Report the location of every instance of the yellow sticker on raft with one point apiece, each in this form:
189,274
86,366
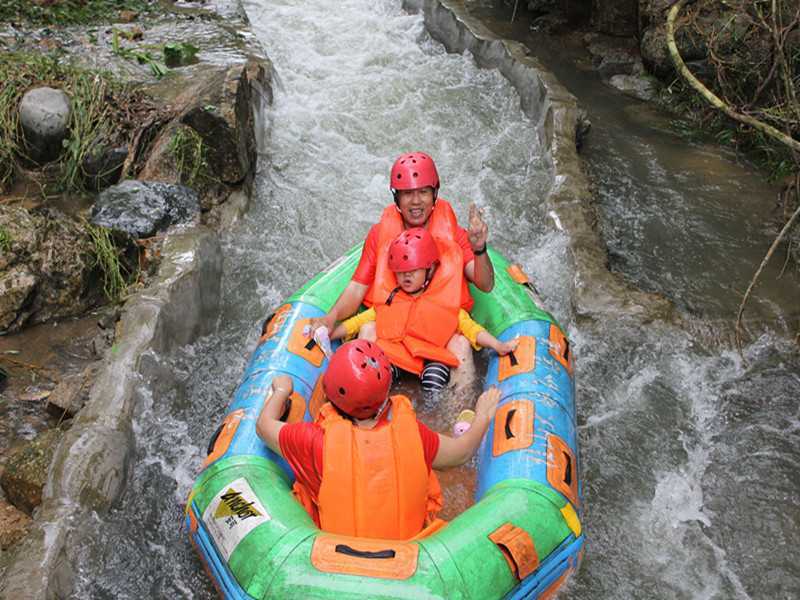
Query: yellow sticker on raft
233,513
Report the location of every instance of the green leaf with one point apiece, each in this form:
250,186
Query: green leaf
178,54
158,68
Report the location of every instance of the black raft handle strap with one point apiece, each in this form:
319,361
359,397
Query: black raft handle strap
266,323
509,416
212,442
345,549
512,357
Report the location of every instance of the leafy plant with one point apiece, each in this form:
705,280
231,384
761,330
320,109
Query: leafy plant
143,57
177,54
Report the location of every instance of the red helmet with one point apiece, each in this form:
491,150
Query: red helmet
358,378
414,170
413,249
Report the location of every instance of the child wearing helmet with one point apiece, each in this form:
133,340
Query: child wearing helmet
417,319
414,183
363,468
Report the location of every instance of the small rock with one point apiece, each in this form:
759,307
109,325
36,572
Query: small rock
639,87
617,62
44,116
25,471
142,208
102,165
71,393
128,16
540,6
14,525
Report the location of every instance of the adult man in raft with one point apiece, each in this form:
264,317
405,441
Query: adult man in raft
364,467
414,182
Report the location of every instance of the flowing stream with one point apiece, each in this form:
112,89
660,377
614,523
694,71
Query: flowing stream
690,461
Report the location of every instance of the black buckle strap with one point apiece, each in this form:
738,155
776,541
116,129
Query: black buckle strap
345,549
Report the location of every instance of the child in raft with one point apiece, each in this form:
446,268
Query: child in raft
363,468
416,320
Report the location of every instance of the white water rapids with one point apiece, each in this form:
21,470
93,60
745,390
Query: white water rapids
689,456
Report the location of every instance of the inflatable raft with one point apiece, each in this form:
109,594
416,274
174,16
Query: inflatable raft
521,539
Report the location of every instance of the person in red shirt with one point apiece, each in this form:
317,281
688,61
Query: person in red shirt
363,468
414,183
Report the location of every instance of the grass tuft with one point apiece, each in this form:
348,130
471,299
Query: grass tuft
5,239
108,257
191,157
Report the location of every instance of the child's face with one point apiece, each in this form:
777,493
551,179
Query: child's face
411,281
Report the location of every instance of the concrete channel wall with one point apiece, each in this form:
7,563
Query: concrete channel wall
91,464
596,292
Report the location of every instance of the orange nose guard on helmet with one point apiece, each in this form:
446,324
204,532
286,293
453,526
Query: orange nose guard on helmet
413,249
358,378
414,170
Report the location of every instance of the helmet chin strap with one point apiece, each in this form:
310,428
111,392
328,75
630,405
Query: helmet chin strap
382,408
428,276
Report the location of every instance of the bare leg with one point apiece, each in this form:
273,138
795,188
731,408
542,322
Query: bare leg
368,332
463,376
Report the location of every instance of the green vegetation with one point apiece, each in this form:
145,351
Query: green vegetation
5,239
177,54
103,109
143,57
752,66
89,96
191,157
698,122
88,119
69,12
108,257
18,72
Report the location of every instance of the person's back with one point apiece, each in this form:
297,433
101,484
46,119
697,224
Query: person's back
364,469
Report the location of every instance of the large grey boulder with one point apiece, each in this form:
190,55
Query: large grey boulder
143,208
44,116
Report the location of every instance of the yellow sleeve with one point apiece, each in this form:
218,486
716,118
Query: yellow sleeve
354,323
469,328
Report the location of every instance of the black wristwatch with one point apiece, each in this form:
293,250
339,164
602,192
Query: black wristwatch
481,251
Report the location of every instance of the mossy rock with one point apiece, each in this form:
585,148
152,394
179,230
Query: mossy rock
25,471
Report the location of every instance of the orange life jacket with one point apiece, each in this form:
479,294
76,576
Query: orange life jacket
414,328
442,224
375,482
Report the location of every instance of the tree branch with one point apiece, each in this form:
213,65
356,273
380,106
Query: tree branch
709,95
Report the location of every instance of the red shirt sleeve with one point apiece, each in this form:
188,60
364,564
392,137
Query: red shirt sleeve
430,443
301,445
466,248
365,271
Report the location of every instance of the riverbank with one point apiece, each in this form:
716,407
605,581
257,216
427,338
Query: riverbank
216,99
